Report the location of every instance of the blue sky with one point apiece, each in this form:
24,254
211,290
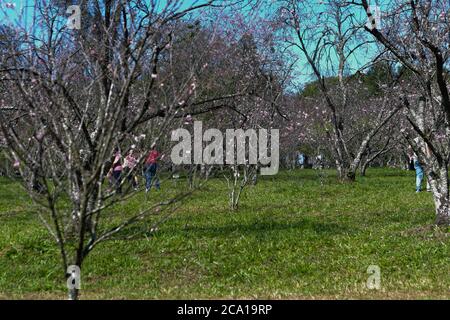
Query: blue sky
26,8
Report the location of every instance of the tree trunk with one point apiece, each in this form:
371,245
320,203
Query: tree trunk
439,186
364,168
442,210
347,173
350,174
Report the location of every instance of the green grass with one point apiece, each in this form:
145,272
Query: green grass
292,237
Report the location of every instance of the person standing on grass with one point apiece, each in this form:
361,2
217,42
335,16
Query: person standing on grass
301,160
116,170
129,166
16,166
150,167
419,169
419,172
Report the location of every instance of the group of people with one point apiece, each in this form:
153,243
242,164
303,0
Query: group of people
126,167
303,161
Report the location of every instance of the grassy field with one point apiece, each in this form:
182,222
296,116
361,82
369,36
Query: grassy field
293,237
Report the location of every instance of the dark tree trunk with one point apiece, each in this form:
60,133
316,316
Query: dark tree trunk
364,168
350,175
439,185
346,174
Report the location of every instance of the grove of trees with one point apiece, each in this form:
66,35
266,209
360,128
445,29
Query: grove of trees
323,72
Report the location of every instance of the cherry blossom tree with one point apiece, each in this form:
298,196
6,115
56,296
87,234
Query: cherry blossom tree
415,34
70,96
329,39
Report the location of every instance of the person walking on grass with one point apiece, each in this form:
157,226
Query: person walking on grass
129,166
150,167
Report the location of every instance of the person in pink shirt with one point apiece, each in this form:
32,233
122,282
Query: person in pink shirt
150,167
129,166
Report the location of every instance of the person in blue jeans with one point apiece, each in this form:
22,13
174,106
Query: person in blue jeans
418,167
150,169
419,175
150,176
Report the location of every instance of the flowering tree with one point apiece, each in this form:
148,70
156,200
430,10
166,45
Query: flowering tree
70,96
248,64
415,34
330,39
260,109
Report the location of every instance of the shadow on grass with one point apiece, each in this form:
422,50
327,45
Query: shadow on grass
251,229
298,176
